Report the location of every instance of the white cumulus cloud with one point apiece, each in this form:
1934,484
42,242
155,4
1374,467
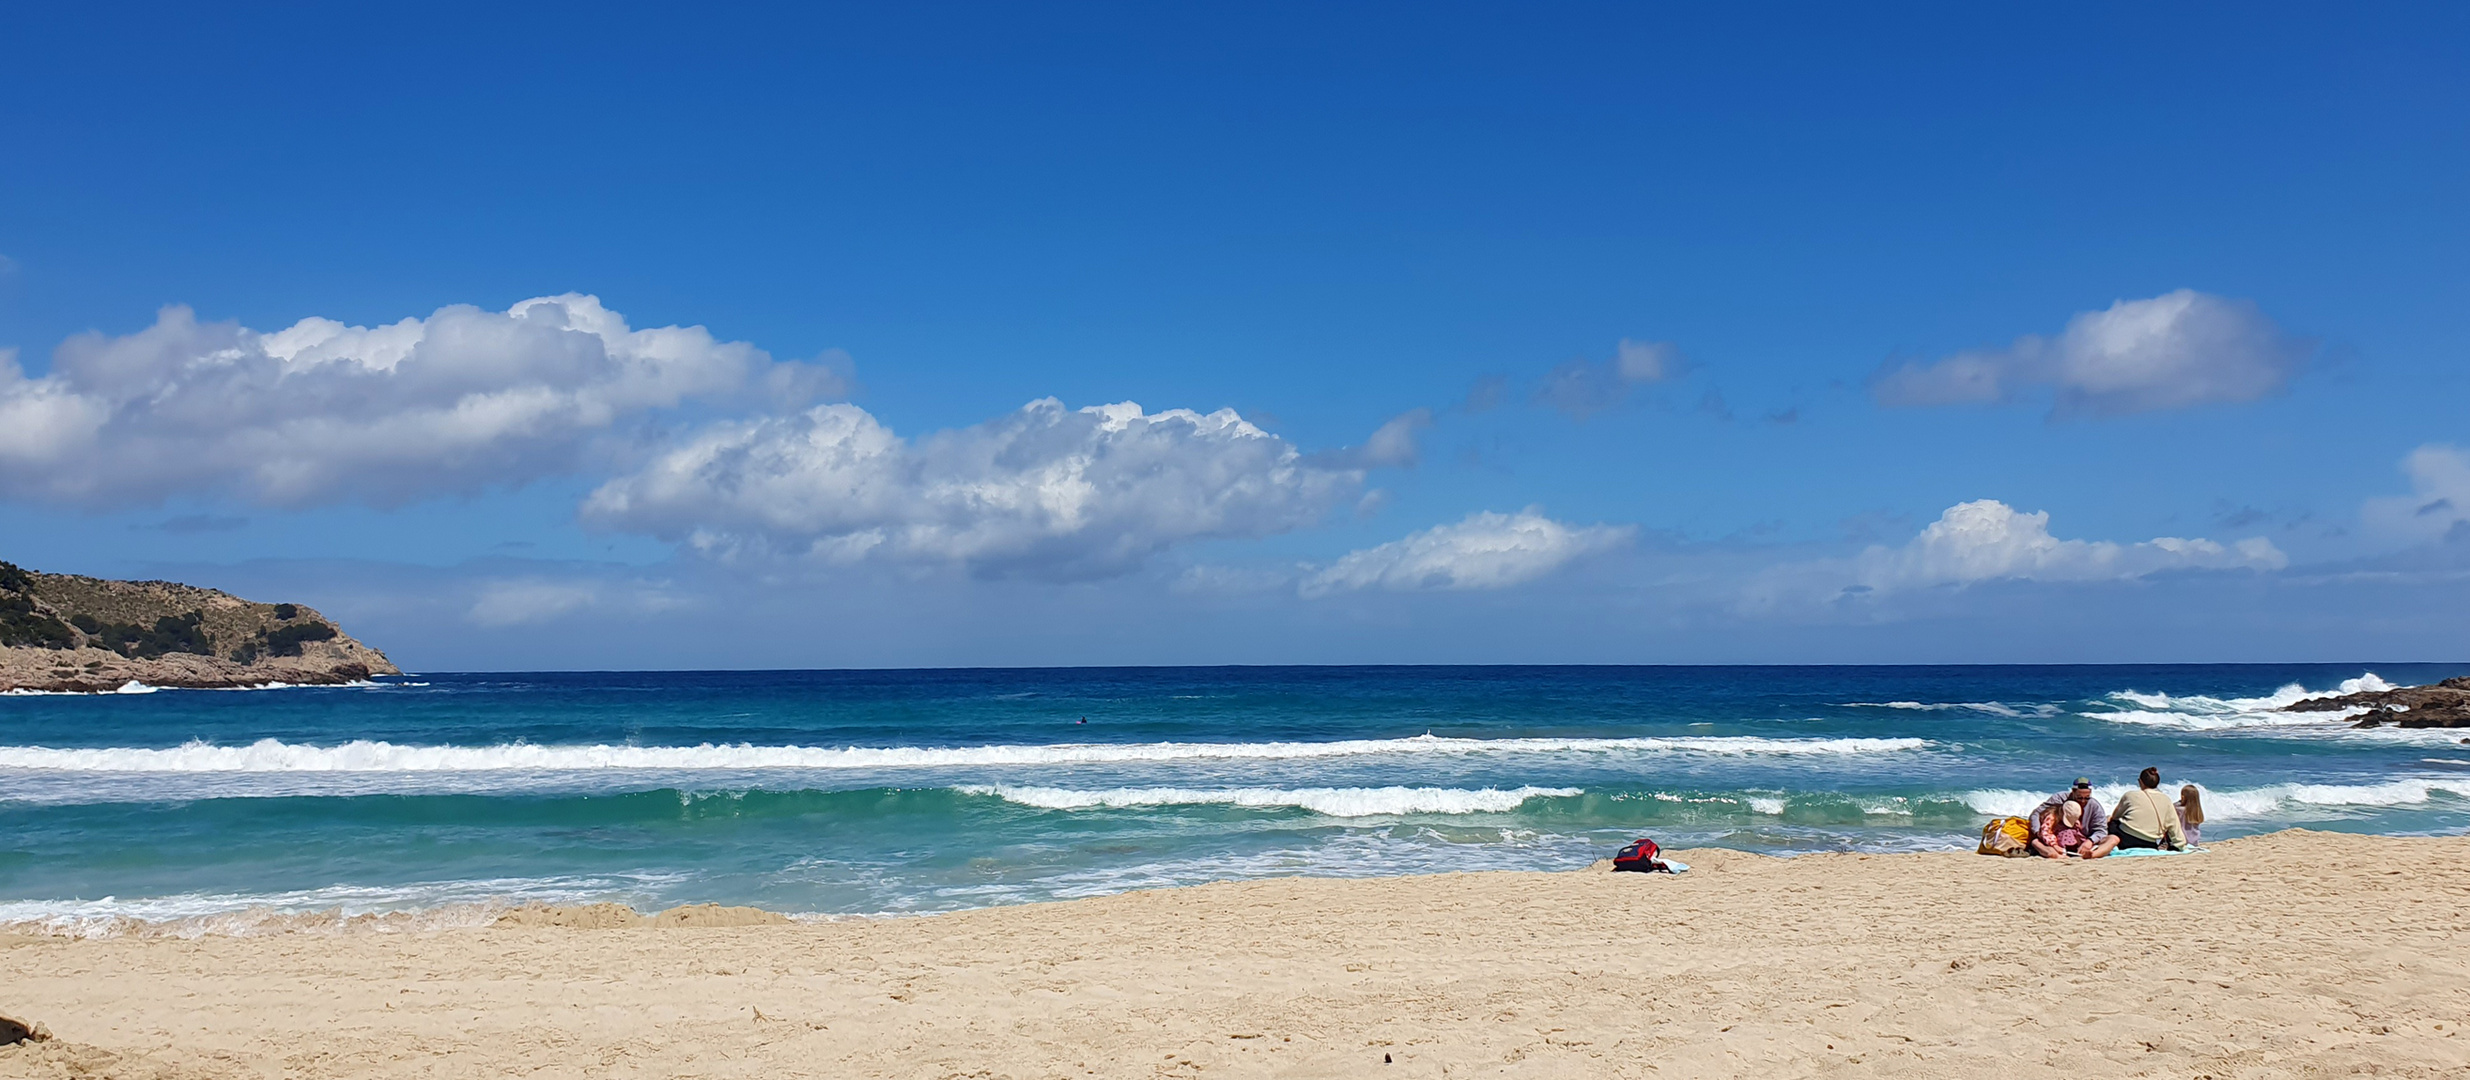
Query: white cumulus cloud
1045,491
323,411
2439,495
1486,551
1988,540
2173,351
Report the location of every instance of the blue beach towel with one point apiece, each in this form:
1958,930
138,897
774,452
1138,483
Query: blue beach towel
2131,853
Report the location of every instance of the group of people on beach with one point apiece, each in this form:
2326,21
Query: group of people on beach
2073,823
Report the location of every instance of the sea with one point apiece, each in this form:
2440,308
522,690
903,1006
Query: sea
876,793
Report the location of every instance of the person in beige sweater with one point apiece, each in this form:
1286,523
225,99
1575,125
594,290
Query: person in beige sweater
2145,818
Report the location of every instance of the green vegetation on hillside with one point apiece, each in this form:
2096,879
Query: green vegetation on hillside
169,634
285,640
20,623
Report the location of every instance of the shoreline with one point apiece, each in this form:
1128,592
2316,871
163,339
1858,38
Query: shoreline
129,678
2291,952
258,921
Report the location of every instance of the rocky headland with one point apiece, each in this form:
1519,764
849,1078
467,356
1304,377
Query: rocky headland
2439,705
63,632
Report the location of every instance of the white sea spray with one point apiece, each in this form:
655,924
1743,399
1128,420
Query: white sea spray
363,755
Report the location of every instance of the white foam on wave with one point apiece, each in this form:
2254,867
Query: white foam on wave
135,687
362,755
2258,802
447,903
1994,708
130,687
2202,712
1334,802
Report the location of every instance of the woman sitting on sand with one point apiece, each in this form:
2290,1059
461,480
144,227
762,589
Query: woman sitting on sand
2145,818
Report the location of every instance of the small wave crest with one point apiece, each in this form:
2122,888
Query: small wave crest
2239,803
1993,708
361,755
1333,802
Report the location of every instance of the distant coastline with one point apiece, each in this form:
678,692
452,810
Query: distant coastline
64,633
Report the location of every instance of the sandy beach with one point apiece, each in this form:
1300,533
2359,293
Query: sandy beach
2293,954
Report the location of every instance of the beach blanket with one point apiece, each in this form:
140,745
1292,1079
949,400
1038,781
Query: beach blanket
2131,853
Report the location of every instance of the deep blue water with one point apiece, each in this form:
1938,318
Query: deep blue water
892,791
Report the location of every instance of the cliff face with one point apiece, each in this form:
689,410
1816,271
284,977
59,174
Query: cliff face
63,632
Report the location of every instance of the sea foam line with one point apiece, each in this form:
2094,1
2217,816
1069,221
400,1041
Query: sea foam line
361,755
135,687
130,687
1994,708
2249,802
1333,802
444,903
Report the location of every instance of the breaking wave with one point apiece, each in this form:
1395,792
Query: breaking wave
2201,712
361,755
2237,803
1334,802
1993,708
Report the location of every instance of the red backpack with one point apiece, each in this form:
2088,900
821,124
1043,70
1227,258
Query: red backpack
1640,856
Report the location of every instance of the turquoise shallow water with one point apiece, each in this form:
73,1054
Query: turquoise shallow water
913,791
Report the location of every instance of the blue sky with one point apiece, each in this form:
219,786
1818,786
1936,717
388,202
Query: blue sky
1606,334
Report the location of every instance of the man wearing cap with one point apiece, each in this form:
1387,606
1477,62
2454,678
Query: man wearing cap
2097,839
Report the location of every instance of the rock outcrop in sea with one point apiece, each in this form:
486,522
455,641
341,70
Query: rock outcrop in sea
2440,705
63,632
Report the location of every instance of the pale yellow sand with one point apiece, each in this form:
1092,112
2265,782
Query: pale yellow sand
2298,954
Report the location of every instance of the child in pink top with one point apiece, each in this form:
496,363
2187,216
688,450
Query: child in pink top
2070,826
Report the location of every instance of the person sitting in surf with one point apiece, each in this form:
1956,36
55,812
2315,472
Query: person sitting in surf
2145,818
2091,836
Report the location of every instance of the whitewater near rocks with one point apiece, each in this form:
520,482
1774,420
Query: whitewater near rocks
859,793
